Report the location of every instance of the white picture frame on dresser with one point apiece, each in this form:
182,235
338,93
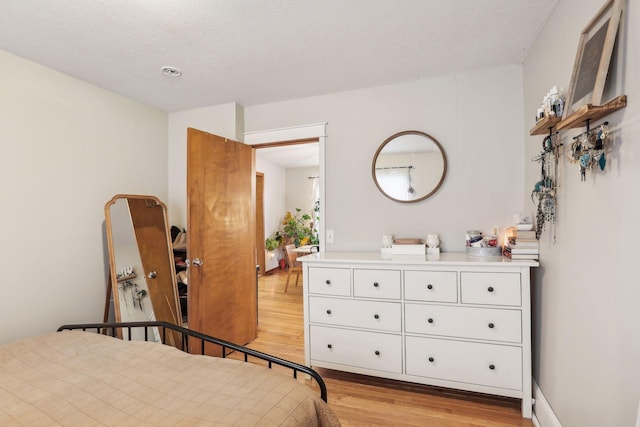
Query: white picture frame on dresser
457,321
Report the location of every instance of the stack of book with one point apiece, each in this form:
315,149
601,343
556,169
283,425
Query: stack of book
522,245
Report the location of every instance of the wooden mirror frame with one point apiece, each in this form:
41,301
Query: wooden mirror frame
391,139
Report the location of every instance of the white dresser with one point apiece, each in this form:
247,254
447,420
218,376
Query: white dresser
454,321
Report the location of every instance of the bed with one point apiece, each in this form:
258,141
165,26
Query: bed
83,375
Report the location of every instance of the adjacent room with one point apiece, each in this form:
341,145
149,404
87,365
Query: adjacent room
425,208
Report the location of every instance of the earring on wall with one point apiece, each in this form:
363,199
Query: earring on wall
588,149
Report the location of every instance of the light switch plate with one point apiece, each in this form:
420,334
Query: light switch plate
330,236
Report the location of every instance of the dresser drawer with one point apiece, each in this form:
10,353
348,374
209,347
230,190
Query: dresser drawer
490,288
464,322
369,350
376,283
476,363
383,316
437,286
330,281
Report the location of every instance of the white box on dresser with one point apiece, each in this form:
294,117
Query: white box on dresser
455,321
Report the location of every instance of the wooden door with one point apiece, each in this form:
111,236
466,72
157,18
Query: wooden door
260,254
221,230
150,227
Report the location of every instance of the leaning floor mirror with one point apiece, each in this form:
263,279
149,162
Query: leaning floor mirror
143,280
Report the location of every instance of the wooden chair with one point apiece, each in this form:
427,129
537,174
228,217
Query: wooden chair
294,265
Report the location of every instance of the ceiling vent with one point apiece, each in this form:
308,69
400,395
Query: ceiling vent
171,71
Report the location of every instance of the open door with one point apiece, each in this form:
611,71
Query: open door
260,252
222,238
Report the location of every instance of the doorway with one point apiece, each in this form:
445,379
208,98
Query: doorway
302,146
291,174
291,181
297,138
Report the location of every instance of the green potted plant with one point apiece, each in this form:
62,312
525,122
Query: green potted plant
273,242
294,228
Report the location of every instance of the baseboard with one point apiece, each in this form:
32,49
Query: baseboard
534,421
543,415
276,268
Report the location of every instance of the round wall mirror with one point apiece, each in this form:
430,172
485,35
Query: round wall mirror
409,166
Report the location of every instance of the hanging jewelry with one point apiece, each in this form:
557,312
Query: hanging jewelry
588,149
544,191
138,296
601,138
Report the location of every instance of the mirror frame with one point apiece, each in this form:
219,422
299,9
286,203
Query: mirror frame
112,260
393,137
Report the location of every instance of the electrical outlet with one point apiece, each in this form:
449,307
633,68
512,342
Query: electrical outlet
330,236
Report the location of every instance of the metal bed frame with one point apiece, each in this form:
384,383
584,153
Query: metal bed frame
115,330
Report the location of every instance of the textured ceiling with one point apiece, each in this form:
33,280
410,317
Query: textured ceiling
259,51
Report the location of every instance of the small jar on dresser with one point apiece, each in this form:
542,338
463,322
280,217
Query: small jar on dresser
458,321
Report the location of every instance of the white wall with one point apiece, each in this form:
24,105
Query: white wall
299,189
476,116
67,148
223,120
274,201
586,293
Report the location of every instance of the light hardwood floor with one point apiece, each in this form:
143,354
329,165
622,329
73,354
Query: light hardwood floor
366,401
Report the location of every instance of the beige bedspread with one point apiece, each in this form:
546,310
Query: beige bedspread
86,379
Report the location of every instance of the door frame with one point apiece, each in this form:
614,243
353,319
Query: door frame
296,135
260,254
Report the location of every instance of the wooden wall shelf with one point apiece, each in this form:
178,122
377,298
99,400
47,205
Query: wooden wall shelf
544,125
591,112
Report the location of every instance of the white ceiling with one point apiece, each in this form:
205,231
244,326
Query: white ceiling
259,51
291,156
